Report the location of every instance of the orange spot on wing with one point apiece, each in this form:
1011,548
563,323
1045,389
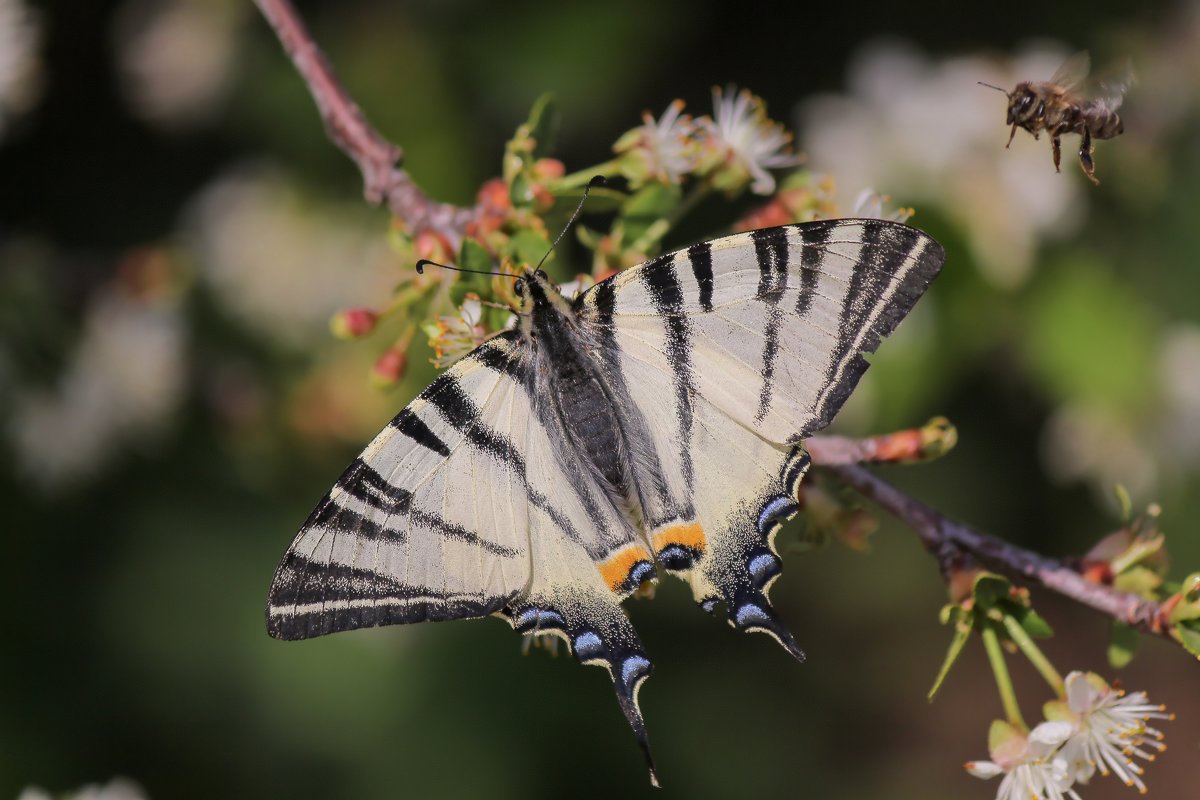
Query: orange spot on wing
615,569
687,534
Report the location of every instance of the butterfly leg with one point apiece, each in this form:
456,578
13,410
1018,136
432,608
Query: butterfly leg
600,634
1085,157
1056,146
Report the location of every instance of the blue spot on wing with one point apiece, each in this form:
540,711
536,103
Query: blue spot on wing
588,645
775,509
748,614
634,667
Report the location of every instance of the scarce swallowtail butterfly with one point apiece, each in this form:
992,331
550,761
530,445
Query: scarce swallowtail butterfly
654,422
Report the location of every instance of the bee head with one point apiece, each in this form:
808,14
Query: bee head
1022,104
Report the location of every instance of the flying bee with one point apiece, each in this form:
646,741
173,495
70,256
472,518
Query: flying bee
1059,106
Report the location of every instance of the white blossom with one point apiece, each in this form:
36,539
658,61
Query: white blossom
1032,766
668,144
1111,729
740,123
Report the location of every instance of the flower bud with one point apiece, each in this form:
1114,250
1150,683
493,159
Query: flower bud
353,323
431,245
390,367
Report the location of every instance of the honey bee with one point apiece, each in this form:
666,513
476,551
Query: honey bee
1059,106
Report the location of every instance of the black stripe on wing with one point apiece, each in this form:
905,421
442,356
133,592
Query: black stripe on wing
886,246
312,599
663,284
456,407
700,256
814,235
771,253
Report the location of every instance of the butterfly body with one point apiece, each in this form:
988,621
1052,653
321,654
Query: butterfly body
654,422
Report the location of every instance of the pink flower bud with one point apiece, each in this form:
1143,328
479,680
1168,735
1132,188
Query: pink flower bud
549,169
390,367
433,246
352,323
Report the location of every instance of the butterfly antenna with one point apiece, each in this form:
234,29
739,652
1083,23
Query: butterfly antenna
597,180
990,86
421,269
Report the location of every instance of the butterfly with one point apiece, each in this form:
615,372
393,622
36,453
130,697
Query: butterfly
654,423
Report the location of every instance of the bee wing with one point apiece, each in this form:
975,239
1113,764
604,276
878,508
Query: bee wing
1112,86
1074,70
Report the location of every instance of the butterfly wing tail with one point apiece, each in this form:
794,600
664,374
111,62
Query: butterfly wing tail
599,634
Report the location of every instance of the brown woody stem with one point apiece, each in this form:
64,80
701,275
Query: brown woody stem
377,159
936,531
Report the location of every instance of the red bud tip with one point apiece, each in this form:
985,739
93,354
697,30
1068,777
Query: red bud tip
352,323
433,246
549,169
493,197
390,367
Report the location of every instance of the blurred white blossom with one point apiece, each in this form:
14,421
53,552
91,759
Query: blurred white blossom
20,65
121,385
1179,374
741,127
117,789
871,204
177,57
664,147
1084,443
280,266
925,131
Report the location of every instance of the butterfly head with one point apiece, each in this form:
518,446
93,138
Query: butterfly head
535,291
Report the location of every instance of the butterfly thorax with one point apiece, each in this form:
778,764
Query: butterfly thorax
571,384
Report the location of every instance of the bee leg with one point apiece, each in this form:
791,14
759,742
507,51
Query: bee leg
1011,134
1085,157
1056,147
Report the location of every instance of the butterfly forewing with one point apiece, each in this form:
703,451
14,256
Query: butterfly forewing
430,522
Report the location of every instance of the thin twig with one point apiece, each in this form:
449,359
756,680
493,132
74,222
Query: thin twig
936,530
376,157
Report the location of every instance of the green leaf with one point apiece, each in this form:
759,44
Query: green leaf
1033,623
1188,607
989,589
648,205
527,247
1124,502
1139,580
473,255
1122,644
543,125
961,635
1188,634
1003,736
951,612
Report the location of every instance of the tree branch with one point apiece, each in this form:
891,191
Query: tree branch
377,158
937,532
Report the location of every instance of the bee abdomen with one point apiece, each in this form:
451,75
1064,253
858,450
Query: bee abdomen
1110,126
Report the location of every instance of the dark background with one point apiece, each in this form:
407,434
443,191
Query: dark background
173,405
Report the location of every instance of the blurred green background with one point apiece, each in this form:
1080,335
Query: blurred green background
175,231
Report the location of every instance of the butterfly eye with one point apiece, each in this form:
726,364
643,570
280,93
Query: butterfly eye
519,287
542,274
1027,101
